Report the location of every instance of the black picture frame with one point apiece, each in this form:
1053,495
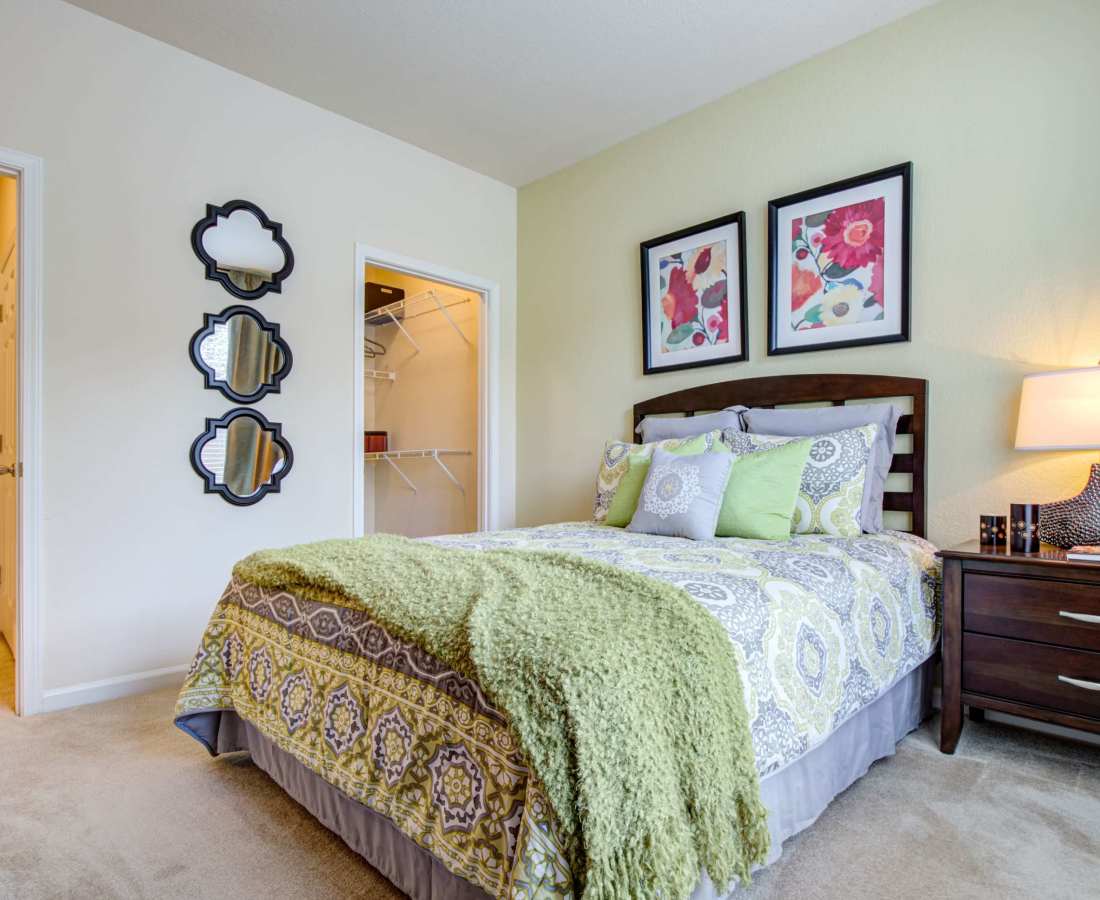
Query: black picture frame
739,355
210,265
903,333
209,479
210,379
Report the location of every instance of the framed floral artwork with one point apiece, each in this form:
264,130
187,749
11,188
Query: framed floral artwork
838,264
693,297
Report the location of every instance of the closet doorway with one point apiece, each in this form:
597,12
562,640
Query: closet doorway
9,434
425,395
20,429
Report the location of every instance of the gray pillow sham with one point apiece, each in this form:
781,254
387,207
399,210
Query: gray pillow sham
682,495
655,428
827,419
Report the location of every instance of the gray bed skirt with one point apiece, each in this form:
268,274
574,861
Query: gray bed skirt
370,834
794,796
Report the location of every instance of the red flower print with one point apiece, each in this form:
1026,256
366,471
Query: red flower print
684,303
853,234
698,338
668,306
878,286
817,238
702,261
714,321
796,228
804,285
801,253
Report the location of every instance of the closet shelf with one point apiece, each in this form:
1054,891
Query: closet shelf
425,302
390,456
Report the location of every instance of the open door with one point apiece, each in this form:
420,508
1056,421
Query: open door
9,431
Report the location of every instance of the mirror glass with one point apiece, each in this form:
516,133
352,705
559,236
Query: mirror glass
240,354
242,249
241,456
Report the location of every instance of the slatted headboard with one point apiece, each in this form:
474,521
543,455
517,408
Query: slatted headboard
783,390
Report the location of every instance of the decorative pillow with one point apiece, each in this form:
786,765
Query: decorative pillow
763,488
831,493
616,463
622,506
682,495
655,428
828,419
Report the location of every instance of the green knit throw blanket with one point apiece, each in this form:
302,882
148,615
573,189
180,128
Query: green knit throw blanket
623,692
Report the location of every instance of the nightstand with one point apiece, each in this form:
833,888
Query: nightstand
1021,635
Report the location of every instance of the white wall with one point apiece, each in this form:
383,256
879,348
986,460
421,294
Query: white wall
137,137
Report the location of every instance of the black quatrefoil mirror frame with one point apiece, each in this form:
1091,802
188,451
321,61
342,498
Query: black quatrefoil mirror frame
215,272
273,431
272,381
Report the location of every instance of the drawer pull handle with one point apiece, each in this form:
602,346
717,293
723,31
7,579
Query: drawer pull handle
1077,682
1080,617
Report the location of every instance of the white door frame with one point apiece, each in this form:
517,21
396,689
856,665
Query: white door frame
28,649
488,382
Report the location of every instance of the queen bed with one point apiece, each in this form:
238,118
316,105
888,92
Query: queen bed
413,765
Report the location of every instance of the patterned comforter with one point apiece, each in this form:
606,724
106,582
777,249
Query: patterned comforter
821,627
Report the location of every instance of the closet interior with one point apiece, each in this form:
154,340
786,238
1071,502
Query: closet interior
420,395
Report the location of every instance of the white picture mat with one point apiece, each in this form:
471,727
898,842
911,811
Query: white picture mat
891,324
723,233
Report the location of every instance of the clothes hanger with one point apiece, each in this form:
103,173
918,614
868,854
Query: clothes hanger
372,348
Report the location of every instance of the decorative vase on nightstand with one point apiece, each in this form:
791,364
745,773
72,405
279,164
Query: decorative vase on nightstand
1076,520
1061,411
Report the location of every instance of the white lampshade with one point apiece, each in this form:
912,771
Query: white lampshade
1060,411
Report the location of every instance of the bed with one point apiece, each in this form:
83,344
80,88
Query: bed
834,638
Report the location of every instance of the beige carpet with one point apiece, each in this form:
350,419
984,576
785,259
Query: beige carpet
112,801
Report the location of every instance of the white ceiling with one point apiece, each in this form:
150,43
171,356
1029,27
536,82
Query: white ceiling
515,89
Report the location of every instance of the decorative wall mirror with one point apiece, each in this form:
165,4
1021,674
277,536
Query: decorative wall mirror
242,457
242,249
240,354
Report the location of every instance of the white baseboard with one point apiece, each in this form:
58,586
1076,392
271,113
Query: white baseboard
112,688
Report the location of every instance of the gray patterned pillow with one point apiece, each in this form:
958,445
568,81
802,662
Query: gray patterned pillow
615,463
830,419
831,494
682,495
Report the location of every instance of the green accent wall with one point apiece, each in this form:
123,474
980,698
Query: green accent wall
995,104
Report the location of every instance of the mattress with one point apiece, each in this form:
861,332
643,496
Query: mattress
823,628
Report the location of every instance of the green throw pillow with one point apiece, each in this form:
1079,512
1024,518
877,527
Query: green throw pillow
625,501
762,492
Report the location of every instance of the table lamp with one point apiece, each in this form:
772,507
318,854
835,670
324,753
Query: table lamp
1061,411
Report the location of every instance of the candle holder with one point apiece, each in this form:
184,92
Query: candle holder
993,530
1025,527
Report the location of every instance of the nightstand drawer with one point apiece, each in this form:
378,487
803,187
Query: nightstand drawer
1053,677
1033,609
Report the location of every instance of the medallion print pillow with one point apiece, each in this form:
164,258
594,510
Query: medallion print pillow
682,495
616,462
830,496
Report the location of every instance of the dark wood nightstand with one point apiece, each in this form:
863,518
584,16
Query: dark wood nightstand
1021,635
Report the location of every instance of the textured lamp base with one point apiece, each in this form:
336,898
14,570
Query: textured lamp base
1076,520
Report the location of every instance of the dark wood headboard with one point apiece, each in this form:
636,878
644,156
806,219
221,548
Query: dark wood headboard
782,390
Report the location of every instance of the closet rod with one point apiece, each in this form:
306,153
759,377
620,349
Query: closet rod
390,310
434,454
